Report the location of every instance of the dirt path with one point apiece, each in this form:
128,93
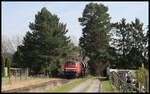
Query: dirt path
81,86
90,85
94,87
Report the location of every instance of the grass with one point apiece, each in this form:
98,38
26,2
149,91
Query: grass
106,86
69,86
131,91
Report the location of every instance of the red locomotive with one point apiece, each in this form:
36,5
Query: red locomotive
75,68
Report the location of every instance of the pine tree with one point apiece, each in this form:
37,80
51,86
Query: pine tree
44,45
72,52
17,59
130,42
95,39
139,43
121,42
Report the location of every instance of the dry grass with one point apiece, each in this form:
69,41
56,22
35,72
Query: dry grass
17,83
51,87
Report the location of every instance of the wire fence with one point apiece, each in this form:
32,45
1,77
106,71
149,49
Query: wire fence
21,77
121,84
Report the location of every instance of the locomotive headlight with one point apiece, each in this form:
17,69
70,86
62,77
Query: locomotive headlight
70,69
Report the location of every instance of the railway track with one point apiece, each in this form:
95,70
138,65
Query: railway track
41,86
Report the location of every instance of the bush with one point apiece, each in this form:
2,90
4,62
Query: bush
141,76
8,67
3,67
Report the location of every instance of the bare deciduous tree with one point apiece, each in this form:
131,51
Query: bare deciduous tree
16,41
9,45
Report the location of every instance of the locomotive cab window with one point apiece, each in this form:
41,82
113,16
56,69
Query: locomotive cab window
70,63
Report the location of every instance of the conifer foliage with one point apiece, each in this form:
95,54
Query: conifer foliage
95,40
44,45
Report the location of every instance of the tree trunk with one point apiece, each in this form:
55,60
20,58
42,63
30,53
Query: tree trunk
98,69
101,67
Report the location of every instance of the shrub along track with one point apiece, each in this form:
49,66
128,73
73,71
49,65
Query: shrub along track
41,86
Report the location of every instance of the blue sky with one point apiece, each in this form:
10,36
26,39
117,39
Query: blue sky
17,15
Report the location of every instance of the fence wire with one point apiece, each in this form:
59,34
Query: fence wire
121,84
